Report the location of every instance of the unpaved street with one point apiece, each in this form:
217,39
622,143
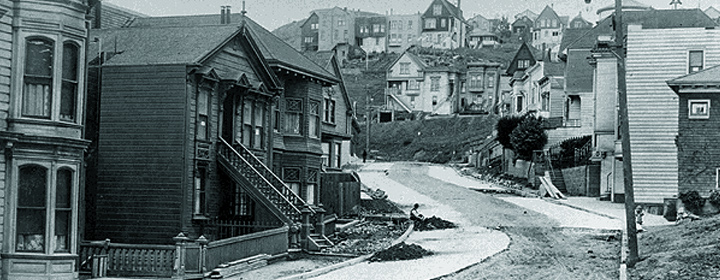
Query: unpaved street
539,249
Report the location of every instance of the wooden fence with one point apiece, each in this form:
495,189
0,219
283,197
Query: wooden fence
340,192
196,256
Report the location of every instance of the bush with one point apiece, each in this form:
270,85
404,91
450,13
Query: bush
505,127
693,202
715,198
527,137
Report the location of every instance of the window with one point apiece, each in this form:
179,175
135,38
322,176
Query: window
404,68
312,180
523,63
410,38
491,80
314,26
276,123
695,61
434,100
376,28
430,23
200,207
434,83
336,34
203,126
308,39
699,109
258,121
519,104
31,207
341,22
329,112
338,155
68,92
293,116
41,227
556,33
554,23
326,154
314,118
443,22
242,203
410,25
545,104
476,80
37,91
291,176
345,35
382,28
247,128
413,85
437,10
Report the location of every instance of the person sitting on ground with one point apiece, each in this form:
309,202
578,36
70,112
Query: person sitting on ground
415,215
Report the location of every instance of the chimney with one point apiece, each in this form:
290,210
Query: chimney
228,15
222,15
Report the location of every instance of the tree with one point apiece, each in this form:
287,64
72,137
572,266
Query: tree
527,137
504,127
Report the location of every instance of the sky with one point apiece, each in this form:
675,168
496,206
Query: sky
275,13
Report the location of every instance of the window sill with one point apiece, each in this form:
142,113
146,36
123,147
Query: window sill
44,122
200,217
329,123
39,256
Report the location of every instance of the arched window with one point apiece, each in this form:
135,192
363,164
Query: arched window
37,90
68,94
31,209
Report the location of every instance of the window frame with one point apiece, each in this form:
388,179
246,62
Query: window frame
430,23
298,122
314,122
707,104
51,167
18,69
689,66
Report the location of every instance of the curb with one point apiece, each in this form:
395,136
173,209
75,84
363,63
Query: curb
327,269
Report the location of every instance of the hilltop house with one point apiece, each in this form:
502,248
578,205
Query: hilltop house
403,32
681,43
226,139
548,29
443,26
371,33
522,29
415,86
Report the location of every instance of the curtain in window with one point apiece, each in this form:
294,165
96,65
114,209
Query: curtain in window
259,131
68,94
37,90
293,119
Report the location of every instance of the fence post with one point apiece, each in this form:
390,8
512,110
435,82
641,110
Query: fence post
305,235
203,253
321,218
180,250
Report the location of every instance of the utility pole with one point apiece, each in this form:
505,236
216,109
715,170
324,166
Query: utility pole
367,120
631,229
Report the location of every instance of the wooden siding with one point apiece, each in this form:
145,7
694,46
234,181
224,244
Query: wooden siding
6,40
141,155
699,150
298,88
655,56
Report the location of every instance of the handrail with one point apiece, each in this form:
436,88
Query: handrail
268,172
278,192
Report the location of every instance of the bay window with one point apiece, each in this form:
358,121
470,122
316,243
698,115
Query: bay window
68,92
37,91
293,116
44,209
314,116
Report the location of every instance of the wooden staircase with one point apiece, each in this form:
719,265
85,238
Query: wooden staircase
318,242
556,176
256,178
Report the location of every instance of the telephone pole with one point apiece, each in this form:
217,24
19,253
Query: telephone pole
631,229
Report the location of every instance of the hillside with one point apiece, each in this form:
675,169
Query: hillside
290,33
432,140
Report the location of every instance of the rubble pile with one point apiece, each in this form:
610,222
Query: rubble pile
433,223
400,251
365,238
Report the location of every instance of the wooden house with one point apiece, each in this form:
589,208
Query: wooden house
206,126
548,29
444,26
42,98
698,163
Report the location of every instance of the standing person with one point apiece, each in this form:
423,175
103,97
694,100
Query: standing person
364,155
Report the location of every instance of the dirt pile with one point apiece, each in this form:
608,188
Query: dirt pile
400,251
433,223
365,238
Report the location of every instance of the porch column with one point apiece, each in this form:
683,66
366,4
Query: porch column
306,227
321,218
179,263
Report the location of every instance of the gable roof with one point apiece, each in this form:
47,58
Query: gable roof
709,76
524,20
527,13
580,19
650,19
328,59
158,46
418,61
276,51
535,55
712,12
454,11
548,12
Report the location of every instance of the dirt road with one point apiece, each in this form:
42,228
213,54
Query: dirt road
539,248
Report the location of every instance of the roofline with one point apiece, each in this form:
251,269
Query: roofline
289,67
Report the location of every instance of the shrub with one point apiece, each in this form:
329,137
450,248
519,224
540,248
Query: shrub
693,201
528,136
505,127
715,198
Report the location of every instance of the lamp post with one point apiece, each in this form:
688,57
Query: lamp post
619,50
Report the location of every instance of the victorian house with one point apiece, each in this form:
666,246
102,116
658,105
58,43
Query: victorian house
217,134
42,102
443,26
548,29
403,31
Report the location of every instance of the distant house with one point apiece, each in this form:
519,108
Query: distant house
443,26
480,23
106,15
548,29
483,39
526,13
480,87
371,33
713,13
698,163
579,22
522,29
334,25
403,31
309,31
678,42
